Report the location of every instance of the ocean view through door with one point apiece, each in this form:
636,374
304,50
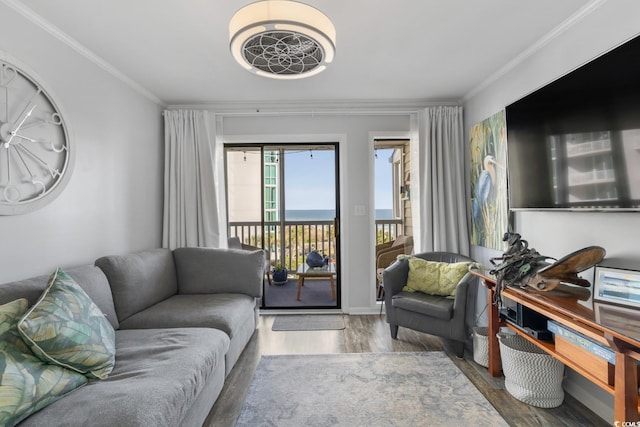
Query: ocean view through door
284,198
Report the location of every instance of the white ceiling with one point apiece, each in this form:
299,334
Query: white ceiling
176,51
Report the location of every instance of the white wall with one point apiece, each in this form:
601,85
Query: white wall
356,163
558,233
113,202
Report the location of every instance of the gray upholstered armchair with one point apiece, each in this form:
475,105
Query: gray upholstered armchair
448,318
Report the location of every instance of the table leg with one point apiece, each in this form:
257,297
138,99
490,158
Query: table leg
625,404
300,283
495,365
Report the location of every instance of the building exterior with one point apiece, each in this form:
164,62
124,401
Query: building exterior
245,184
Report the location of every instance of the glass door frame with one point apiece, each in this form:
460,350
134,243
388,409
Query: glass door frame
282,220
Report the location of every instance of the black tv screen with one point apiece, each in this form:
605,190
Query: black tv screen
575,143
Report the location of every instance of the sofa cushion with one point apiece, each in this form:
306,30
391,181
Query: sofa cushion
226,312
93,281
27,383
89,277
31,289
66,328
430,305
139,280
208,270
435,278
159,374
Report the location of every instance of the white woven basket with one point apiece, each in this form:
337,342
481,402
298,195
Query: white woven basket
481,346
530,374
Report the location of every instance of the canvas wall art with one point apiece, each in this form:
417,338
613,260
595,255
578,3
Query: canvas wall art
489,204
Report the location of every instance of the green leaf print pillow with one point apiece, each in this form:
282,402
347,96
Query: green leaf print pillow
67,328
27,383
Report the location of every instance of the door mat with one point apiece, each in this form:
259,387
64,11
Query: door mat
308,322
370,389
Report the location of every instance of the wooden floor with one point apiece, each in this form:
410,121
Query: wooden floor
370,333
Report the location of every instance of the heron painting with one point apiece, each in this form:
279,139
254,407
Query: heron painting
489,209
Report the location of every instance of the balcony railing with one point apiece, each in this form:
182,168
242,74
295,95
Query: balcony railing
290,242
388,229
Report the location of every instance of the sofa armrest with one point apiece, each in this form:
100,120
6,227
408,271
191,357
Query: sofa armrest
209,270
394,278
463,307
460,297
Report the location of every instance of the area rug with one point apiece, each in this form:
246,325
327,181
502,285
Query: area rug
370,389
308,322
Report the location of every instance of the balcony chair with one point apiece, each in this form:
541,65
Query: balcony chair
386,254
450,318
235,243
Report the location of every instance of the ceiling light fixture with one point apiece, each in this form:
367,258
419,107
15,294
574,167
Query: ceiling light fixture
282,39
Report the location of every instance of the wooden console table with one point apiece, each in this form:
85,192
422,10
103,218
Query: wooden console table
610,326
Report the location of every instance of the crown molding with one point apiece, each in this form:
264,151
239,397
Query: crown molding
316,107
78,47
545,40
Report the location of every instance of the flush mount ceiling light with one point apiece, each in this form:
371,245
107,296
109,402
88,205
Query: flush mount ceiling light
282,39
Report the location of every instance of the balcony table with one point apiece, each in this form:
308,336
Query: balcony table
328,271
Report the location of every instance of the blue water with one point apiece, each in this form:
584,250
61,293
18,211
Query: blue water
327,214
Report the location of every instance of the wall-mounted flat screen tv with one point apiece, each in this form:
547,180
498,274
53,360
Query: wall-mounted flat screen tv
575,143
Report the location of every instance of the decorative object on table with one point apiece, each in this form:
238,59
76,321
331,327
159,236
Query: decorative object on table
518,264
35,147
351,389
279,274
315,260
531,375
525,267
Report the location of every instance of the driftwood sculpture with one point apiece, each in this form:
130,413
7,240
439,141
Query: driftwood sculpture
525,267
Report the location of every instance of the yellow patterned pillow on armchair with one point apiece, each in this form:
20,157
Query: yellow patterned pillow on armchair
434,278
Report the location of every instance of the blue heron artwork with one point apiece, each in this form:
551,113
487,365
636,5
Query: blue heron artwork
484,184
489,209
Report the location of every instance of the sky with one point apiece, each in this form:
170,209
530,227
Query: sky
310,180
383,170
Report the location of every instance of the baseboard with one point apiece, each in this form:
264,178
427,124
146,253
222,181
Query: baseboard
268,312
364,310
352,311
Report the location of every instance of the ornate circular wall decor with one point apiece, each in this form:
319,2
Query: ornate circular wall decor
35,148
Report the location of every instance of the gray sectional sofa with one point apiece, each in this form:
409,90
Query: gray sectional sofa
182,318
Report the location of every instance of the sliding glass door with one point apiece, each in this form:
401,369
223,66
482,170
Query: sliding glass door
284,198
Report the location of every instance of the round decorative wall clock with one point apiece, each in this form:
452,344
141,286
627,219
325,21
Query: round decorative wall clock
35,148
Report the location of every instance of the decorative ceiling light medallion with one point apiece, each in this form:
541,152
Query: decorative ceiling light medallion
282,39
